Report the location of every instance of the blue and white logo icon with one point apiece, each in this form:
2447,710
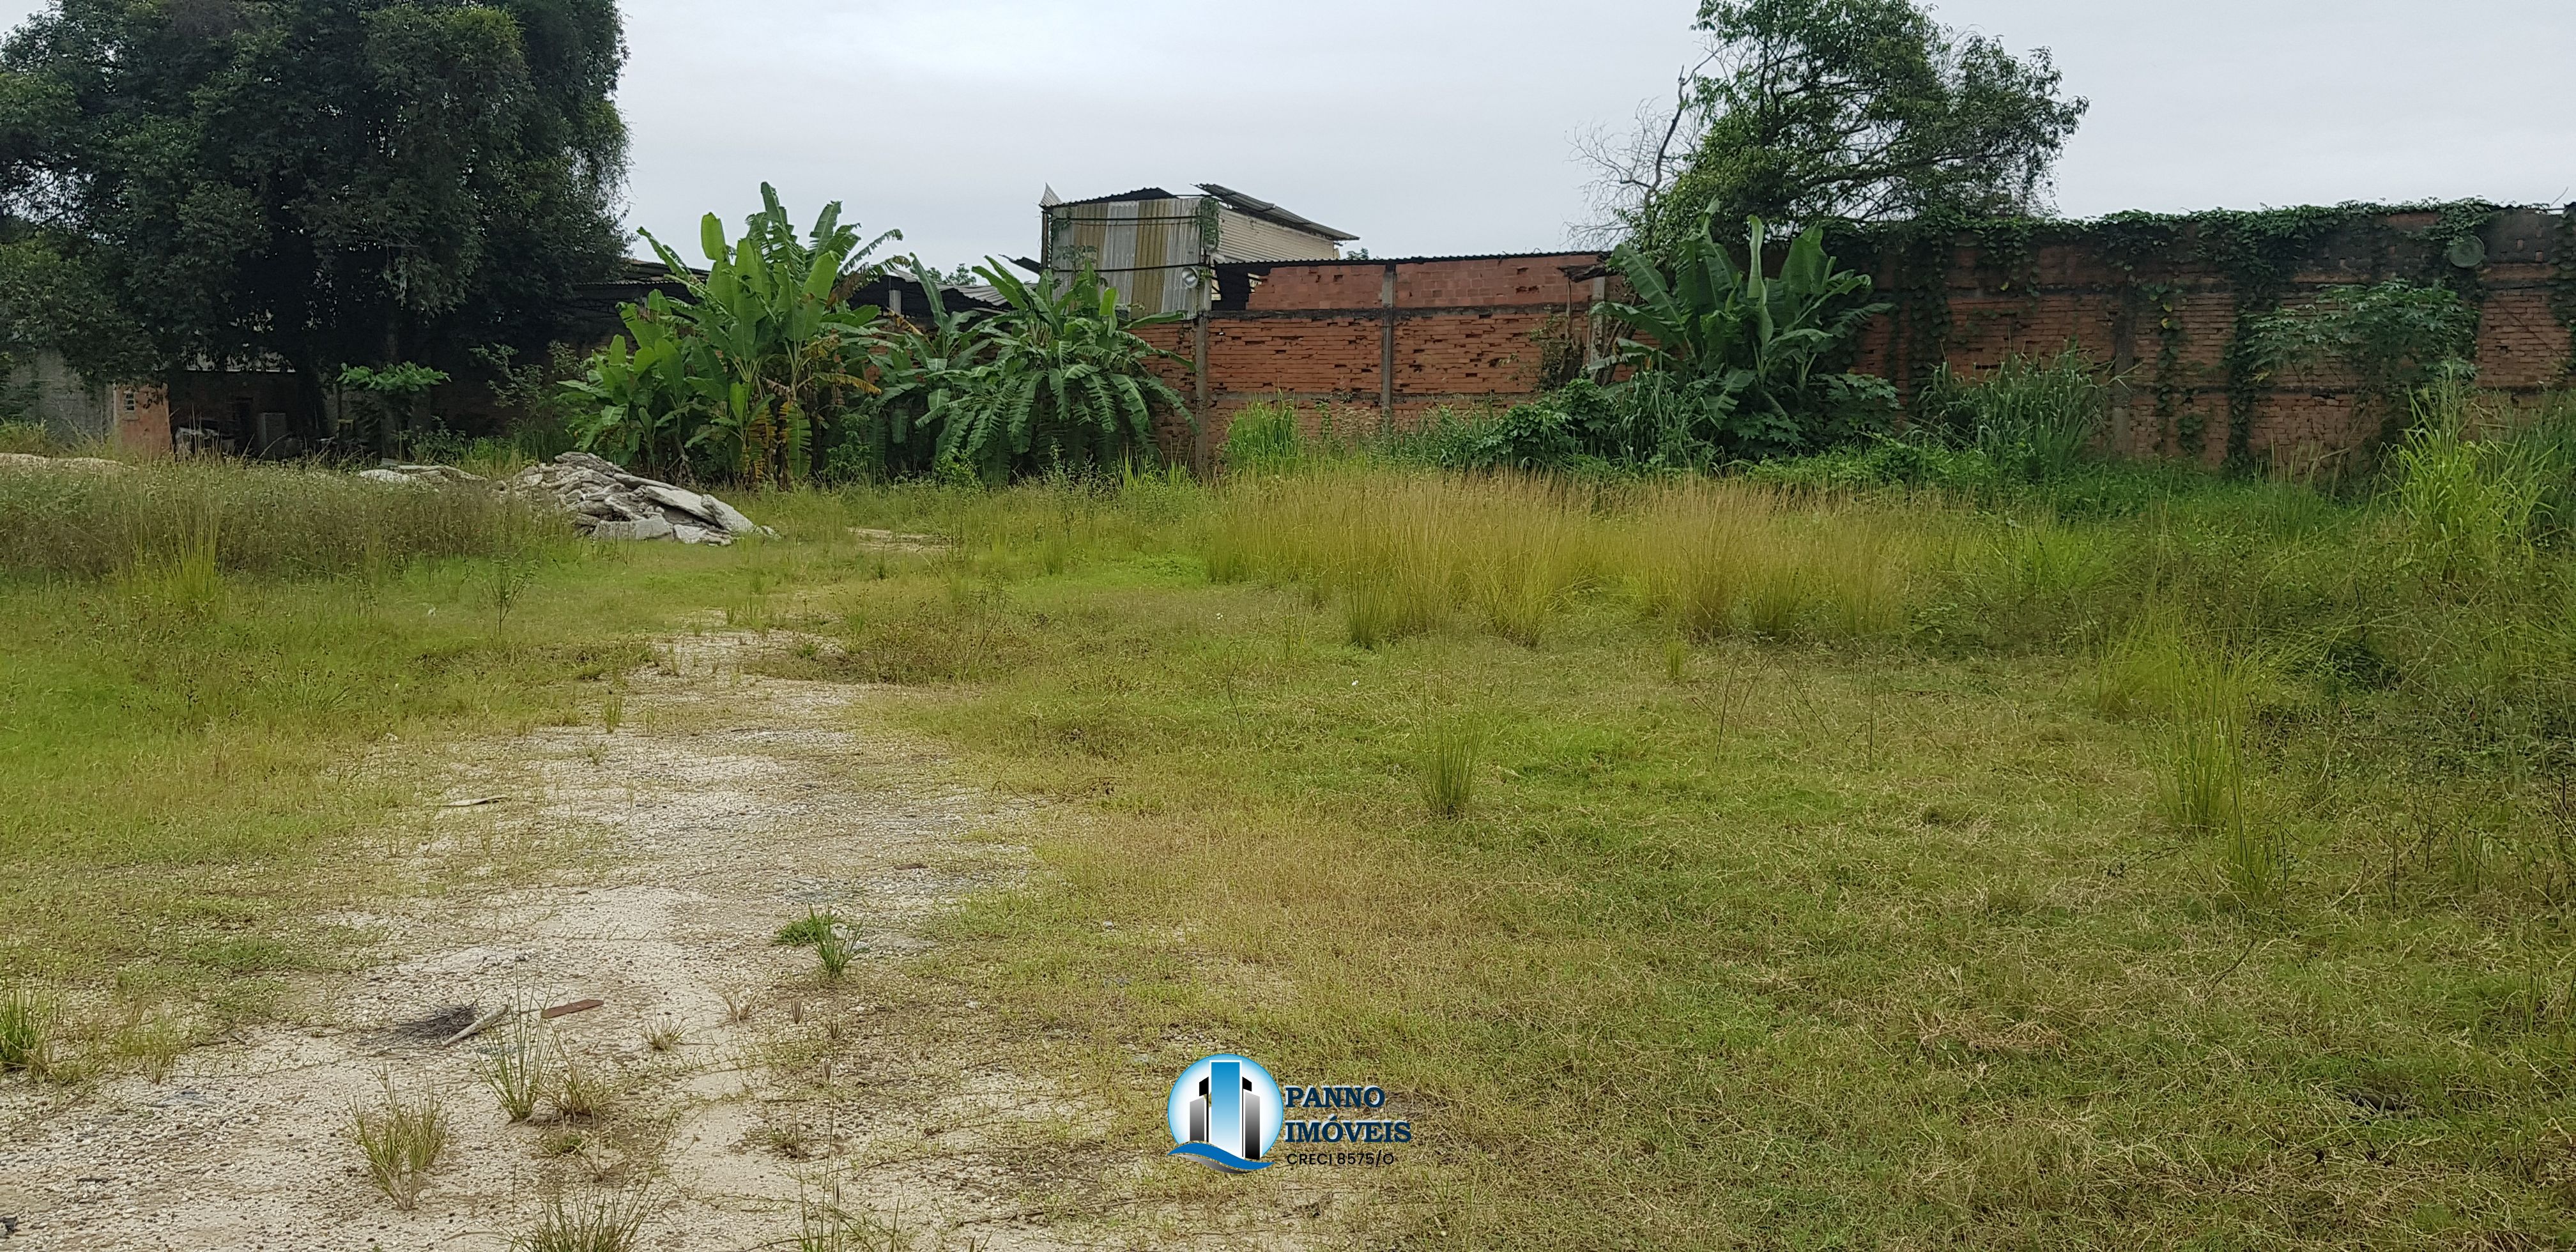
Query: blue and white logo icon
1225,1113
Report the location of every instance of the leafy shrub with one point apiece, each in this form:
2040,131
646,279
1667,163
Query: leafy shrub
2391,338
1062,380
391,405
1739,358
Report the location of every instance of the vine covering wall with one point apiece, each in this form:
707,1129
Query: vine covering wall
2168,303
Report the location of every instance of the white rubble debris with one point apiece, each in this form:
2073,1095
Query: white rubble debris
392,473
604,501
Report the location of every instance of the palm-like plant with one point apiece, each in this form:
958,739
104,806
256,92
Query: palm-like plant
1058,376
920,370
764,350
1747,349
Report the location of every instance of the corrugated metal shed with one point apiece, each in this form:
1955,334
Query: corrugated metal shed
1160,250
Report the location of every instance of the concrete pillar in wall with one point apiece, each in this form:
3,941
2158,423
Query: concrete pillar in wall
142,419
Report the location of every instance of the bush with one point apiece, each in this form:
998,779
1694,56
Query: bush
2471,505
2033,420
1264,439
25,437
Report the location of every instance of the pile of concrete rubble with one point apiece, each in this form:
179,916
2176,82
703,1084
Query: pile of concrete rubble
605,502
80,464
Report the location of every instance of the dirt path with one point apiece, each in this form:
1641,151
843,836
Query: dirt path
646,868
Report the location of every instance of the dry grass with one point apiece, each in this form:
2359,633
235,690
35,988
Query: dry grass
1408,553
662,1033
246,518
605,1221
577,1088
402,1142
518,1066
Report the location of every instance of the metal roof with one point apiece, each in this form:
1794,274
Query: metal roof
1141,193
1249,206
1254,206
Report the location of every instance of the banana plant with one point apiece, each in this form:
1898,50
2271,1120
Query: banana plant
762,351
1744,348
920,372
1060,378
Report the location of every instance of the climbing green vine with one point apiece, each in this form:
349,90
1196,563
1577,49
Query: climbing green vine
2263,256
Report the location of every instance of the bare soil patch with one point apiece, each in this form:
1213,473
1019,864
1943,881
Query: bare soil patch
647,867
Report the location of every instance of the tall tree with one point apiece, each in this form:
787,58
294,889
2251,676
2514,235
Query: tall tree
322,182
1810,110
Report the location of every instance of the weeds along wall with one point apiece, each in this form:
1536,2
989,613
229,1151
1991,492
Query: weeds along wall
2167,304
2163,301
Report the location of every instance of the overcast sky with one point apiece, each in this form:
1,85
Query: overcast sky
1447,126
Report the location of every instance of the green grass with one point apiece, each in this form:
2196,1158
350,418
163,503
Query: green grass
1886,901
26,1031
807,931
2171,863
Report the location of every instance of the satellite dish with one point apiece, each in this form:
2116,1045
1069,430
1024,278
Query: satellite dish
2467,252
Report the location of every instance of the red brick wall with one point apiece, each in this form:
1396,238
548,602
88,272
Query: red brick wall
1315,335
1464,331
2166,321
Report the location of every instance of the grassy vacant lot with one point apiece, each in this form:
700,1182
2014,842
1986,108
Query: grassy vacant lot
2170,863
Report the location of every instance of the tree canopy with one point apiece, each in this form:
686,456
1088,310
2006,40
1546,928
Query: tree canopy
327,182
1811,110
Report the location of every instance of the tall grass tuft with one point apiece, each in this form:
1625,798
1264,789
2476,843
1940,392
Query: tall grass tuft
1449,760
1727,558
1264,439
834,951
2470,504
607,1221
518,1067
824,1225
26,1031
402,1142
187,580
2206,700
2206,697
2255,858
575,1088
1407,551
